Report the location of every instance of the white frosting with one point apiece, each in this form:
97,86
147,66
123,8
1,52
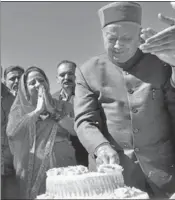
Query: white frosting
110,168
78,176
67,171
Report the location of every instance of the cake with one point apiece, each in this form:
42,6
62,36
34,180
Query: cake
76,182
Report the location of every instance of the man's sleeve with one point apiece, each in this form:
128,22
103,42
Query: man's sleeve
87,115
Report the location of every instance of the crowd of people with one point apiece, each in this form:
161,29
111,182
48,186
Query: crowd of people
117,108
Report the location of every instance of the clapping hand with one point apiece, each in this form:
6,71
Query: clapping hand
161,44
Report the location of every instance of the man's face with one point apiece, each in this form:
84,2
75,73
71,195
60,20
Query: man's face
121,40
66,76
12,80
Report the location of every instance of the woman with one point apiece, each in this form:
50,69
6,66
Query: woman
32,129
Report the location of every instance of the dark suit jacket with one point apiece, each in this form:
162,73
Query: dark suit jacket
132,109
80,152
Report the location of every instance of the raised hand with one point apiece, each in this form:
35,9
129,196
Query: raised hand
161,44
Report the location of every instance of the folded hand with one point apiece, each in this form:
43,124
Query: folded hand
47,100
40,103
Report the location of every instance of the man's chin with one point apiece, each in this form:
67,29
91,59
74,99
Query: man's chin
67,85
120,59
123,58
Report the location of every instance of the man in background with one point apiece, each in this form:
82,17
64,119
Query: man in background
66,79
12,75
9,185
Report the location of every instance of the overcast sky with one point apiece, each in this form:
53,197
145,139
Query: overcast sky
44,33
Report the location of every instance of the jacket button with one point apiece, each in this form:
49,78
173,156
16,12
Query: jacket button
134,110
130,91
136,149
135,130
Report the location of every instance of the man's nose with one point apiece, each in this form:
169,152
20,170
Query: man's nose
118,43
16,80
66,76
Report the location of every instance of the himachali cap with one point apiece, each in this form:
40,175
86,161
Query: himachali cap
120,11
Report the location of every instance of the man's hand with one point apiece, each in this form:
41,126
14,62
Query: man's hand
161,44
106,155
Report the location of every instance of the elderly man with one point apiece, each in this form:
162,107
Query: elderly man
66,79
125,105
12,75
9,185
